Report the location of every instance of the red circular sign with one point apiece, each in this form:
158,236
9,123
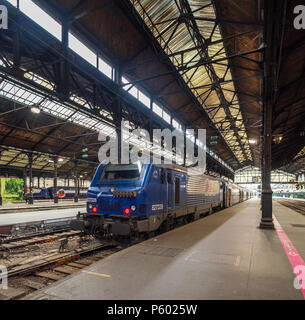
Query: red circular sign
61,193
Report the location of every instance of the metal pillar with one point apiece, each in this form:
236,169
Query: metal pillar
63,81
270,55
55,180
76,183
31,200
118,115
24,183
267,220
184,151
1,201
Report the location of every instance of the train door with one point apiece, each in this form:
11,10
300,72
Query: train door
224,188
170,191
228,197
177,191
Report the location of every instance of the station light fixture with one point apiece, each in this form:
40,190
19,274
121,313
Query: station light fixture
60,159
277,139
35,108
252,141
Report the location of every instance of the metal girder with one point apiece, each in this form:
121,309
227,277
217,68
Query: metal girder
163,58
198,39
37,54
201,58
204,62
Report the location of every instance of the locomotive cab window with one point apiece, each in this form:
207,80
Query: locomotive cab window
112,172
177,190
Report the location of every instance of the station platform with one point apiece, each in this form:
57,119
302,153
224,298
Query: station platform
12,213
38,215
222,256
40,205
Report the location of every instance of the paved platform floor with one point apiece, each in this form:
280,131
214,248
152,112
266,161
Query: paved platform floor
32,216
43,202
223,256
39,204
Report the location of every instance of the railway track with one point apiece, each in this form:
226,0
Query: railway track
298,206
40,267
20,242
37,228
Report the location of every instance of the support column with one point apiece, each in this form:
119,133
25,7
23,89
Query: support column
118,115
184,148
55,180
24,182
31,200
64,67
1,200
270,68
267,220
75,183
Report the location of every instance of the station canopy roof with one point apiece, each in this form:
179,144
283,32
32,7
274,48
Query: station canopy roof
199,62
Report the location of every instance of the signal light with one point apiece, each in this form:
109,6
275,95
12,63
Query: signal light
94,209
127,211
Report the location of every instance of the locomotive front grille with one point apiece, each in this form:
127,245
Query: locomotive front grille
112,205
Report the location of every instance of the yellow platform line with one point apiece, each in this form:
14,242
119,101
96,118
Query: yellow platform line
98,274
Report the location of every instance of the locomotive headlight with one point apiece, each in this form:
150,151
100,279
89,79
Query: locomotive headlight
112,189
90,206
133,207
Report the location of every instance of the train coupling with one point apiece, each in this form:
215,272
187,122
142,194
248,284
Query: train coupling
79,224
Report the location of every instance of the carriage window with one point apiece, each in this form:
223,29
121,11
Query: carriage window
177,190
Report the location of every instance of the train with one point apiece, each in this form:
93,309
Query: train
48,193
295,194
128,200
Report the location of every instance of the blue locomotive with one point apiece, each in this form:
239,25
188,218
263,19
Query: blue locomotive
135,199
